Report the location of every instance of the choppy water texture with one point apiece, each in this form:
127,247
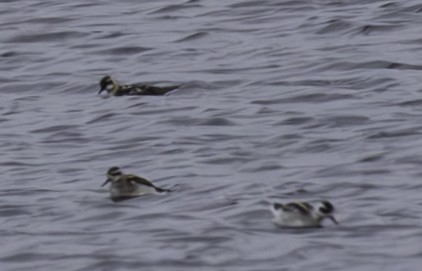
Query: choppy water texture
280,101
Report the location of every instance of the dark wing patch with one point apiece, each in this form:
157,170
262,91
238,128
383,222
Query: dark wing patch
301,207
143,90
151,90
139,180
124,90
142,181
161,90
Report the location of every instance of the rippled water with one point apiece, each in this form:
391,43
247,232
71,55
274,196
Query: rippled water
280,100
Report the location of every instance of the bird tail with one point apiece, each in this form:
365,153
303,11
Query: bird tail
162,190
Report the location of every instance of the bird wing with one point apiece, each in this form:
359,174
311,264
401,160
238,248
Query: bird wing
300,207
125,90
151,90
139,180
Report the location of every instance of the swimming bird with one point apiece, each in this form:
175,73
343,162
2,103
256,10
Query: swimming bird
302,214
115,89
124,186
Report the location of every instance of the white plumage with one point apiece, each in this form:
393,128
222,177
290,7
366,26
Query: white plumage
302,214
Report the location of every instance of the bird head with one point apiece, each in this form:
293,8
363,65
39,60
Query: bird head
325,210
113,174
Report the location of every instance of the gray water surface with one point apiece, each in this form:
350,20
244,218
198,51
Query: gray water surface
279,101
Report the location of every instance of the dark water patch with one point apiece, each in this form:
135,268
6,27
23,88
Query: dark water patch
125,50
199,239
87,45
315,148
398,133
173,151
11,211
28,191
320,83
375,64
372,157
225,160
20,164
306,98
112,35
38,257
374,84
410,160
66,137
139,105
324,82
85,5
192,37
48,20
413,9
417,102
402,66
103,118
112,214
297,121
216,122
222,137
370,29
251,3
4,79
279,141
175,8
48,37
13,109
9,54
342,121
128,144
344,171
162,110
69,171
54,128
262,168
223,71
334,25
389,5
266,110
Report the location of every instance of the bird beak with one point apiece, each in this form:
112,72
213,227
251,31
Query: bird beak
106,182
101,90
333,219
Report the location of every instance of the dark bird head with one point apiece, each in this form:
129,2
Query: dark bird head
326,210
113,174
106,83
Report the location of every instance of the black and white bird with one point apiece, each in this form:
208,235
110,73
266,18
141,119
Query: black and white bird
124,186
302,214
115,89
